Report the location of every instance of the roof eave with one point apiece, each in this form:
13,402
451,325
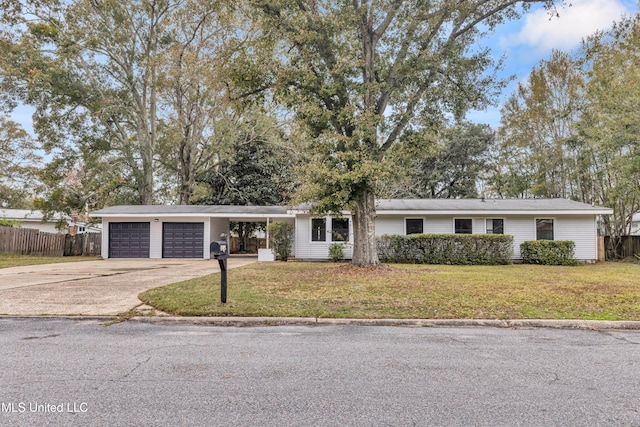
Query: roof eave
97,214
495,212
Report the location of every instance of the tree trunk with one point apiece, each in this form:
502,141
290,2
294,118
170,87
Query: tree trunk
365,250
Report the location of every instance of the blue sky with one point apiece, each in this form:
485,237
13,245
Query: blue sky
532,38
524,42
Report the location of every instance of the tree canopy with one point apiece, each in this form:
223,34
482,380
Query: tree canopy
360,73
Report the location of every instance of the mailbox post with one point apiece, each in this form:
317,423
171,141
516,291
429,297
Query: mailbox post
220,252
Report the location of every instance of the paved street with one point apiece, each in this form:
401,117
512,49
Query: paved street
184,375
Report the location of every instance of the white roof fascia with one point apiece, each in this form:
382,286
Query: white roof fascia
496,212
295,212
191,215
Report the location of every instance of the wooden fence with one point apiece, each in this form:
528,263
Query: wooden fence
628,246
29,241
83,244
253,244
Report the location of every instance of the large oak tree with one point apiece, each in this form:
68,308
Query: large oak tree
360,73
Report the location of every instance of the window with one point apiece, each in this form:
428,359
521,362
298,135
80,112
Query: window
318,230
495,226
414,226
544,229
340,230
463,225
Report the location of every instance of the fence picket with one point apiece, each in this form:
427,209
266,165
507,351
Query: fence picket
29,241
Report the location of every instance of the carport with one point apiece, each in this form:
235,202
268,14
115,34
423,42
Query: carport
154,231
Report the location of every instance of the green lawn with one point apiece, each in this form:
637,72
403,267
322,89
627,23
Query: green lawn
7,260
608,291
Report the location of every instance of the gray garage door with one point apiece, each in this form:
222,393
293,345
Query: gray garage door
129,240
182,239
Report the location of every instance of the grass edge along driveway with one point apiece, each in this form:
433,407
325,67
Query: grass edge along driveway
605,291
10,260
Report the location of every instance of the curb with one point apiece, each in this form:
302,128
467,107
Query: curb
101,318
424,323
593,325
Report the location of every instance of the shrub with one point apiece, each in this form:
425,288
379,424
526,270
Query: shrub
446,248
281,235
336,252
548,252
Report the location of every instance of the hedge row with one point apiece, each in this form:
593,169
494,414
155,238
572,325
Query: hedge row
548,252
446,249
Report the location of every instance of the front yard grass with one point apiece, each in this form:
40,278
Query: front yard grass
8,260
607,291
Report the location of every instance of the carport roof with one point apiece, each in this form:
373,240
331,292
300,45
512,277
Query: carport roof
181,210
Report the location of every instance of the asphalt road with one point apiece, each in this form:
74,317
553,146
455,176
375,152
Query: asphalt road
134,374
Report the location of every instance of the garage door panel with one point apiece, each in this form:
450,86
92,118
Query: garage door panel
129,239
182,239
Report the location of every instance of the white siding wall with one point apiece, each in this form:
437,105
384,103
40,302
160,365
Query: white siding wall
155,238
390,225
46,227
583,231
303,237
306,249
438,225
522,228
105,238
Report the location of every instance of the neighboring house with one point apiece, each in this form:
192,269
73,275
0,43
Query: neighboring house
187,231
635,224
33,219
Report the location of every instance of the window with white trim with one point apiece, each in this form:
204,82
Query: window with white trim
414,225
544,229
340,229
495,226
463,226
318,229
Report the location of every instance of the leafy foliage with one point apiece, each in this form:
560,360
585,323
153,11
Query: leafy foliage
538,154
611,122
446,249
548,252
129,93
281,236
255,170
447,165
9,223
336,252
18,161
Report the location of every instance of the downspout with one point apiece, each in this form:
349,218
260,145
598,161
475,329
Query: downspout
267,232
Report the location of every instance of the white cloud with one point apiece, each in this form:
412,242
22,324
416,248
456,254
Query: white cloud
579,20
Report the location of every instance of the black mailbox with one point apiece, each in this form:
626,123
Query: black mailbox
218,249
219,252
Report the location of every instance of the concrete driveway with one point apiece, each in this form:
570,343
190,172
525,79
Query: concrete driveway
104,287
